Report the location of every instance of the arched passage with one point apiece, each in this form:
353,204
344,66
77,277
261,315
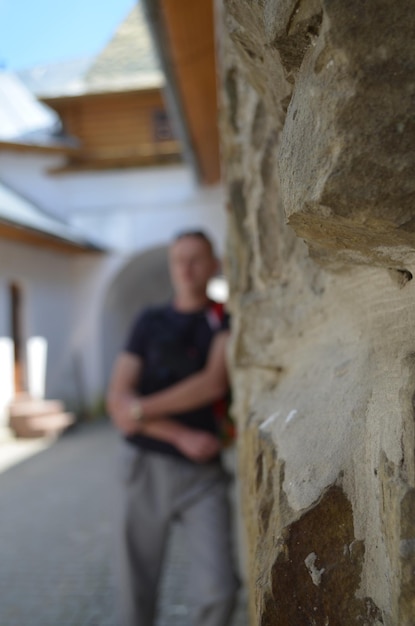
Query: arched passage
143,281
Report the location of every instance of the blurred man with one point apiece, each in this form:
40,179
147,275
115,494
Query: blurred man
161,397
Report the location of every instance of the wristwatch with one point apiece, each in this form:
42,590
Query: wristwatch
136,411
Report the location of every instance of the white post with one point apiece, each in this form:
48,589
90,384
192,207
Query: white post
36,366
6,378
218,289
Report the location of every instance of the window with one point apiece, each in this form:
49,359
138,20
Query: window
161,126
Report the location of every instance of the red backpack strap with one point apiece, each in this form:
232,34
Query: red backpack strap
226,426
215,314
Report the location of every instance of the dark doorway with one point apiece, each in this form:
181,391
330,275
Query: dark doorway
16,317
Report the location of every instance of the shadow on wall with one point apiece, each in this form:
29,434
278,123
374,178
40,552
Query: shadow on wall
143,281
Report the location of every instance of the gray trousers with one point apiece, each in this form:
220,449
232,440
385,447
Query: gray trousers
158,489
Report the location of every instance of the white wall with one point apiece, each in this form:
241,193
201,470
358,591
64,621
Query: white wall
92,277
27,173
59,303
131,210
47,296
77,301
142,281
64,299
138,209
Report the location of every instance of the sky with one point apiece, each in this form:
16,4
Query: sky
36,32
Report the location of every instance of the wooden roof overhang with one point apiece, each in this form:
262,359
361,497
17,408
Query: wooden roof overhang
185,38
20,146
33,237
90,96
100,157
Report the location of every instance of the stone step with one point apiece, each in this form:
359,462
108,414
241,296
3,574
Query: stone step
49,423
30,426
31,407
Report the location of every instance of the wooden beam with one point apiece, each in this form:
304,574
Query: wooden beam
29,237
189,26
99,96
16,146
112,159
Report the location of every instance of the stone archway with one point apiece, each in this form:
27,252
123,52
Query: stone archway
142,281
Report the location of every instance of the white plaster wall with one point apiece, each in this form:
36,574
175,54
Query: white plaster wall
47,296
138,209
68,297
7,377
130,210
29,175
61,300
142,281
92,276
6,351
136,230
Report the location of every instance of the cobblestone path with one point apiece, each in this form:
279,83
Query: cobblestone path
56,539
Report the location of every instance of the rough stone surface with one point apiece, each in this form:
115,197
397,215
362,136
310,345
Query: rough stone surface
318,135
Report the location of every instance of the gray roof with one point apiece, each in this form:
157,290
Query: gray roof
64,78
157,24
25,120
128,62
22,117
20,212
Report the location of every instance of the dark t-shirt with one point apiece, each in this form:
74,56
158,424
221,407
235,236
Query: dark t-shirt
172,346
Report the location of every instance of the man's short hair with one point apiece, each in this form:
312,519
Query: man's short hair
199,234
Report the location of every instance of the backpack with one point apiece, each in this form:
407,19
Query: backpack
221,408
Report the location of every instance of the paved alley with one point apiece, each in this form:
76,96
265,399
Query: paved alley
56,539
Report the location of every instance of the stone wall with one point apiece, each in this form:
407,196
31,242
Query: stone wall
318,138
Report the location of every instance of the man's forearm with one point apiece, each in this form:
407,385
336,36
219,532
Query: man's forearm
196,391
197,445
162,428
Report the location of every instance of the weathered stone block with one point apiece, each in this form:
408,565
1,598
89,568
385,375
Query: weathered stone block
318,131
346,153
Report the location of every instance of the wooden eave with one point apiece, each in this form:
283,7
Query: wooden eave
32,237
190,37
18,146
165,153
100,164
98,95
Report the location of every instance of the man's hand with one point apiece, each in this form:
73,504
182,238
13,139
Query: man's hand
123,419
198,445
